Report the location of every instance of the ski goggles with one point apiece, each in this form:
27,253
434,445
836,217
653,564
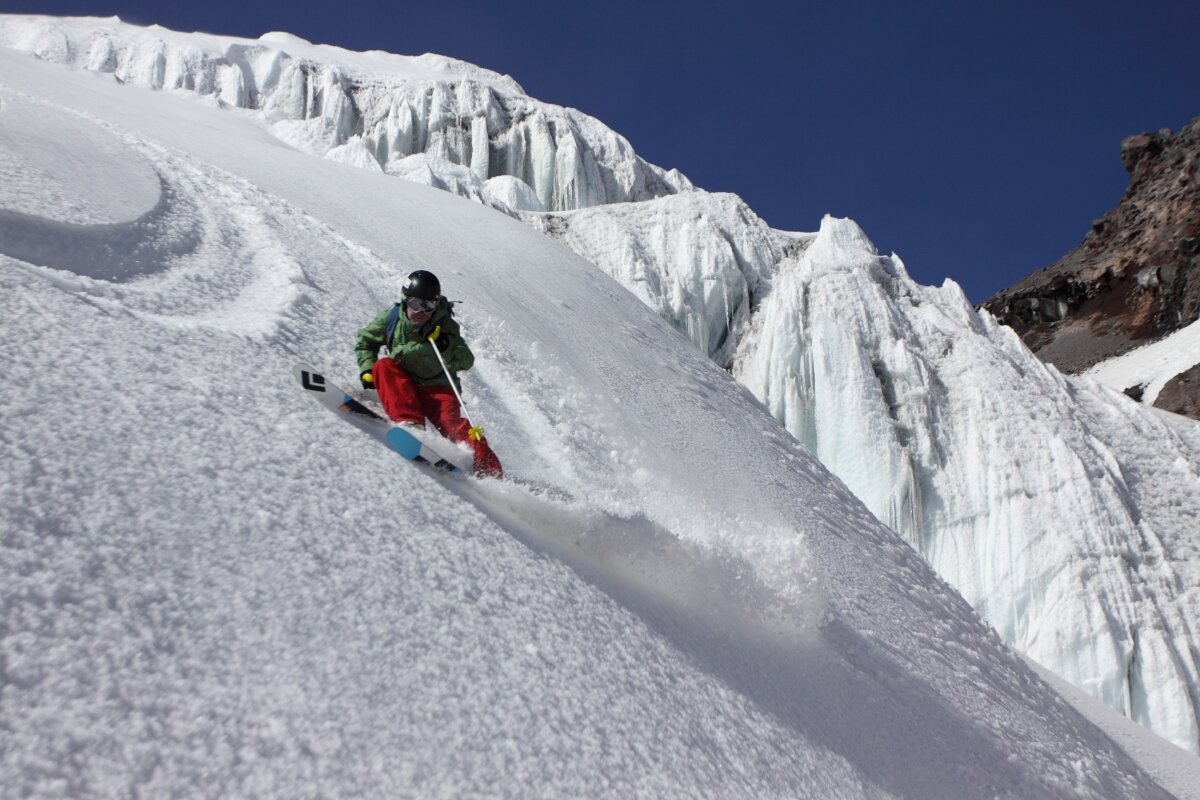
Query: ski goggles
417,304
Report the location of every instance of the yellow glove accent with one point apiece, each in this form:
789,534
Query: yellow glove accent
437,331
475,434
367,377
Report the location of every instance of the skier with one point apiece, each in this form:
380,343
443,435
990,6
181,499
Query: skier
411,382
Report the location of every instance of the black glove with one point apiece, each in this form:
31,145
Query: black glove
441,342
368,379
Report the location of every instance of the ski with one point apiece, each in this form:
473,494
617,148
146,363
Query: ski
396,437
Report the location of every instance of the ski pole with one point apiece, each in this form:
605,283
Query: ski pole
475,433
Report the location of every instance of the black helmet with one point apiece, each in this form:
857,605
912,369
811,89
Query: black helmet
424,285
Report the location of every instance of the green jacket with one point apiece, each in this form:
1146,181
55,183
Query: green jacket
411,349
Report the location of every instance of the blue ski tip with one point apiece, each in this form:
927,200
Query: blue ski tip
403,443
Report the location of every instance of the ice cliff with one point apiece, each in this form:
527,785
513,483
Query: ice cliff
702,261
1062,511
430,118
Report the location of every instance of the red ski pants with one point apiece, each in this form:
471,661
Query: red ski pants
405,401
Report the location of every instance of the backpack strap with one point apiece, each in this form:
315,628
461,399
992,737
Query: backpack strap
392,320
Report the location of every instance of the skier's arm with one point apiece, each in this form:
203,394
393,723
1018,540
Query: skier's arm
370,339
458,355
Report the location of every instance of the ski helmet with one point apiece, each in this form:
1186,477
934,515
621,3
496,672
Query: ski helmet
424,285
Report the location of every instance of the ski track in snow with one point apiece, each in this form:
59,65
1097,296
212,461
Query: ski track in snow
208,581
175,244
137,623
57,164
134,621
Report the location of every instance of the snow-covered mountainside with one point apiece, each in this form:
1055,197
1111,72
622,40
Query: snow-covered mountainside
704,262
1167,369
206,580
1064,513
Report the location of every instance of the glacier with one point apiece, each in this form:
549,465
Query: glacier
702,261
372,110
1063,511
858,362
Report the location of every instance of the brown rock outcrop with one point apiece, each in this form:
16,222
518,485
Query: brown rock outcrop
1182,394
1135,277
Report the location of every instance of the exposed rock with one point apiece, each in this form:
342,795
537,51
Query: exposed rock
1182,394
1135,277
1135,148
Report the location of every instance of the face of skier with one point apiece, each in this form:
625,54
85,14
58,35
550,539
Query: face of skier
418,310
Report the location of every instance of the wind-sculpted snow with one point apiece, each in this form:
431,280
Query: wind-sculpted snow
1062,511
210,584
371,110
158,265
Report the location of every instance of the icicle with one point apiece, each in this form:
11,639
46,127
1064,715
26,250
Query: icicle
480,148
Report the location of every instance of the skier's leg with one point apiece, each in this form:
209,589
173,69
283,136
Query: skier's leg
441,406
397,392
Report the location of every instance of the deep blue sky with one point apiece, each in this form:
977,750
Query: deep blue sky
977,140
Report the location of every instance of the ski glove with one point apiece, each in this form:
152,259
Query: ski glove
441,342
368,379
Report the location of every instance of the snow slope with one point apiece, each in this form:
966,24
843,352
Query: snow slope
1153,365
1063,512
210,584
705,263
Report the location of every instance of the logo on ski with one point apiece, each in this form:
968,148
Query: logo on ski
312,381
